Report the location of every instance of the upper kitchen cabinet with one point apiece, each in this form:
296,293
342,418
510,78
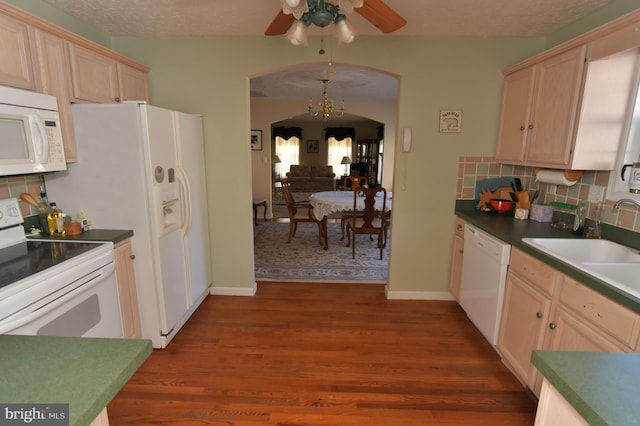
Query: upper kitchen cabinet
133,84
539,111
102,79
16,66
567,108
94,77
53,61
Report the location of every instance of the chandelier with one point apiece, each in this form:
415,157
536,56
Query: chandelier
321,14
325,107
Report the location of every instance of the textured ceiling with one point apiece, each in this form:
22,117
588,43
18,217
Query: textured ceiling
251,17
479,18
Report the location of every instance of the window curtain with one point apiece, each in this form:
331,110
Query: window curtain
337,150
288,150
339,133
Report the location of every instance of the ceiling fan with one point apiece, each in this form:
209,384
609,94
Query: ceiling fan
375,11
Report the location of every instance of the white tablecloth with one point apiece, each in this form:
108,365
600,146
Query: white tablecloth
327,202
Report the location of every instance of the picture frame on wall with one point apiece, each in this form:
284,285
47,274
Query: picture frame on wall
313,146
256,140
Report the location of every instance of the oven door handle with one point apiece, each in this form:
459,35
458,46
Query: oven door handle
39,309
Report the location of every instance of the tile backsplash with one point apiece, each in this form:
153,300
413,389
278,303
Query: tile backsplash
472,169
13,186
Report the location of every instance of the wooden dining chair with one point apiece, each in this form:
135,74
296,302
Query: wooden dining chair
298,212
368,221
353,183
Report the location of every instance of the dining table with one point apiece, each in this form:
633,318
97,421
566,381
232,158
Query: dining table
326,202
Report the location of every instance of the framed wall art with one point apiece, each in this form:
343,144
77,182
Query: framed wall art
313,146
256,140
450,121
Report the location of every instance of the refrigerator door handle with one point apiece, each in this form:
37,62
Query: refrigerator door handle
185,197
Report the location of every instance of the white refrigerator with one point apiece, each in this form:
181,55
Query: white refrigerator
141,167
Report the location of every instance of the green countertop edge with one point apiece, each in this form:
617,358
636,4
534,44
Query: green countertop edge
601,386
510,230
112,235
25,359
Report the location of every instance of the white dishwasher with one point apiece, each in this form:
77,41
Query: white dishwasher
484,274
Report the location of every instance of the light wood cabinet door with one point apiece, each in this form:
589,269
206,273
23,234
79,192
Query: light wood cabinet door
525,315
53,61
455,277
133,84
16,65
515,115
456,266
127,290
94,77
555,109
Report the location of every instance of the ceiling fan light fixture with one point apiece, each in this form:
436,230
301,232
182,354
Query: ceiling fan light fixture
297,34
297,8
345,31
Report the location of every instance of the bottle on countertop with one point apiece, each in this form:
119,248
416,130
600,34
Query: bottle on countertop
580,217
55,221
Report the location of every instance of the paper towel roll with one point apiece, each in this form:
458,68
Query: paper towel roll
555,177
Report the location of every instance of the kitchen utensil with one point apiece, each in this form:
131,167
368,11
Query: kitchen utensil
30,199
514,197
518,184
513,186
535,196
500,205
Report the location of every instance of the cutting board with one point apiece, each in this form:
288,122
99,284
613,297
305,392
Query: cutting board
499,187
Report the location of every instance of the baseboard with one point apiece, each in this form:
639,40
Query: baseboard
418,295
233,291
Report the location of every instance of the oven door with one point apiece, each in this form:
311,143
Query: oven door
90,309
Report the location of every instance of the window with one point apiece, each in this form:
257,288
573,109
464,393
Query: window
337,150
288,150
629,148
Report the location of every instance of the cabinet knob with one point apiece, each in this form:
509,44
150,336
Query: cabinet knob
552,325
539,314
133,256
116,99
530,126
522,128
461,251
459,227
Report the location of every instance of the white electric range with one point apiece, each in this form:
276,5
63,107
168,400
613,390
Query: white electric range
55,287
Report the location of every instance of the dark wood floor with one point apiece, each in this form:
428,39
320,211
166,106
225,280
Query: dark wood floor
324,354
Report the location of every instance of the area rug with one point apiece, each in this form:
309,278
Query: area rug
305,260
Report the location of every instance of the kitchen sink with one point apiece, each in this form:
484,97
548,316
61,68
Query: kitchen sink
585,250
610,262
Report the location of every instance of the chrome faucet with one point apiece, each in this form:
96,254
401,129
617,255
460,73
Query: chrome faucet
626,200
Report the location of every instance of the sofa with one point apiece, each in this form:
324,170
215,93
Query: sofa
311,178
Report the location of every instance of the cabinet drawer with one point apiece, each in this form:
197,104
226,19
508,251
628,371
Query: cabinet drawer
459,226
533,270
615,320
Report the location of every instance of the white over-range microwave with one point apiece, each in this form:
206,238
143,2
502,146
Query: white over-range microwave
30,134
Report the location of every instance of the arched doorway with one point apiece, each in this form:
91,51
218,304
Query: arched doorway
282,96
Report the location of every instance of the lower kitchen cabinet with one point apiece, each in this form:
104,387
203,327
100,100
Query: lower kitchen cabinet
524,320
545,309
456,258
127,290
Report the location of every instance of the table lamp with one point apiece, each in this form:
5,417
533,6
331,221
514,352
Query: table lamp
346,161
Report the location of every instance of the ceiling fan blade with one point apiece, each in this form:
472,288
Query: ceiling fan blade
280,24
382,16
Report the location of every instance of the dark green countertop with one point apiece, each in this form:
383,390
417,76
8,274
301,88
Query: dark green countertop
84,372
113,235
510,230
602,387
